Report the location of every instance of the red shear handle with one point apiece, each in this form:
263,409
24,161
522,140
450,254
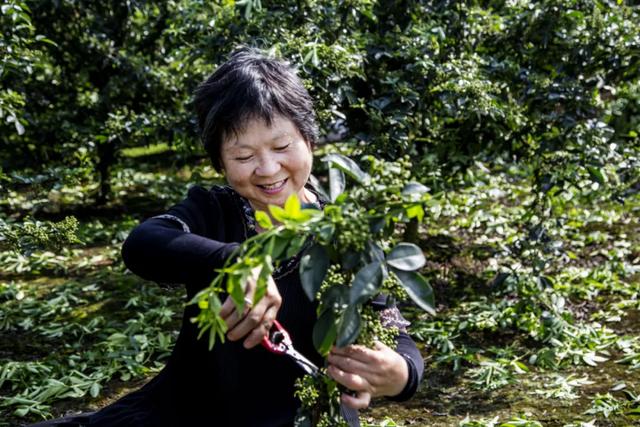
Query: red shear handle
278,340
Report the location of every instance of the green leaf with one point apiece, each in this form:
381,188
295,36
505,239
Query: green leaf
635,412
418,289
43,39
414,188
22,411
303,420
336,297
263,220
350,326
292,206
263,279
295,244
377,224
415,211
214,304
324,332
374,252
94,390
545,282
618,386
520,367
597,175
349,167
592,359
18,125
325,233
318,187
236,290
278,213
279,245
366,283
213,333
406,257
499,279
341,199
337,183
313,269
350,260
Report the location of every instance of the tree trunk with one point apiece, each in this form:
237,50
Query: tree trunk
106,158
411,232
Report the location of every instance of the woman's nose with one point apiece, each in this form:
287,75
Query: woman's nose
269,166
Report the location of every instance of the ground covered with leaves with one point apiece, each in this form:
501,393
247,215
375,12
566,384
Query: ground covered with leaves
503,351
534,326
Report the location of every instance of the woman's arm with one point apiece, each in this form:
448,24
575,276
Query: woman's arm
180,246
407,348
185,246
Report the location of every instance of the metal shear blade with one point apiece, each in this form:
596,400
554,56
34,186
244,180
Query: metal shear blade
279,341
308,366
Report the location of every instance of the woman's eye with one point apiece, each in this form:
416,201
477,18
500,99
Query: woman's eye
243,159
284,147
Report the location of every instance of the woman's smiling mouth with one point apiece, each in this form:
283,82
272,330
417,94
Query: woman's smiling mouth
275,187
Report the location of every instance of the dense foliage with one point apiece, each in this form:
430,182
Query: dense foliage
552,82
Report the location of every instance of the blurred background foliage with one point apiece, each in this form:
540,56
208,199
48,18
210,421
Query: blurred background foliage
552,83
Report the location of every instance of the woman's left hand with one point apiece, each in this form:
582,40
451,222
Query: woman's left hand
370,372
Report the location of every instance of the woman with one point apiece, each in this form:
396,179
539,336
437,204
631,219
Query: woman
258,126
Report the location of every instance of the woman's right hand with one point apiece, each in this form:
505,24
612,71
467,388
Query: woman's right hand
253,323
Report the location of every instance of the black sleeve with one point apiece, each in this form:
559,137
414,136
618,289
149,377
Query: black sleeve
179,246
405,346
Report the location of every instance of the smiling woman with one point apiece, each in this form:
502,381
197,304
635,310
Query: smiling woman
259,128
266,164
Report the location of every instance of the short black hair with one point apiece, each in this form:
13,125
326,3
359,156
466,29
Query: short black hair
251,85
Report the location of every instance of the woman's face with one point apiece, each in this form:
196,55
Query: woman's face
266,164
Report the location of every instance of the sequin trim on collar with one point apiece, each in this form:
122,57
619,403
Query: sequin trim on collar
391,317
184,225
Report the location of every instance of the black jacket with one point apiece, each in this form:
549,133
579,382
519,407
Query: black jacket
228,385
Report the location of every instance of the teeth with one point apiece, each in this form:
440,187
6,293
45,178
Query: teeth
273,186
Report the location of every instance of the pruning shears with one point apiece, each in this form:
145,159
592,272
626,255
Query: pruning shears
279,342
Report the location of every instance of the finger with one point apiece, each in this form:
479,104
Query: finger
262,330
351,381
232,317
357,352
227,307
273,293
348,364
249,322
380,346
360,401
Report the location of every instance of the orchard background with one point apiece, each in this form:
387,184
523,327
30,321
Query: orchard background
521,117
